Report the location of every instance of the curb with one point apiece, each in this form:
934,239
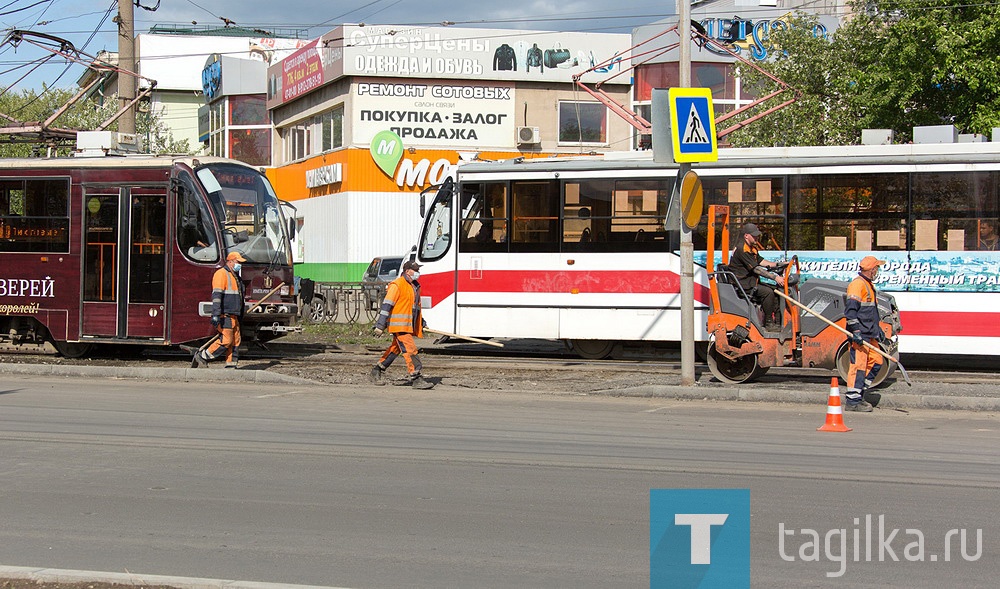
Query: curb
893,401
45,575
181,374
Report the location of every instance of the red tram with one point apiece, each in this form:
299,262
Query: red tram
121,250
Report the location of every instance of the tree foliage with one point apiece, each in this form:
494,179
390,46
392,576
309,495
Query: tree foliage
34,106
894,64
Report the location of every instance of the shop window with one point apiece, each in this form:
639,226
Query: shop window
583,122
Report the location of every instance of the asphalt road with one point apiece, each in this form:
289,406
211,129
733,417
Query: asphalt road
389,487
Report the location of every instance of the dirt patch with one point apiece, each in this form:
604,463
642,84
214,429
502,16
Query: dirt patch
494,373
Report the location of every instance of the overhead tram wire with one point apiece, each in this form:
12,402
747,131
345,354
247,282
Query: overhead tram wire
338,18
645,18
38,20
40,61
24,8
68,67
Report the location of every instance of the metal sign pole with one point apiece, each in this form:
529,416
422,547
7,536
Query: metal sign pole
687,246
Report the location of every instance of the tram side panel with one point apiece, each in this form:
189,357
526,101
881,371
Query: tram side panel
39,249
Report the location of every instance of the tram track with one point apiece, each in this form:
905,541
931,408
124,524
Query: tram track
526,360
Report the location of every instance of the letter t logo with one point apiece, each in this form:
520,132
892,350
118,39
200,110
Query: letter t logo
701,533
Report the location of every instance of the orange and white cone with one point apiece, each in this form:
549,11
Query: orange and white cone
834,411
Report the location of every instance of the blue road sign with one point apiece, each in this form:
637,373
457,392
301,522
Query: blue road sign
692,125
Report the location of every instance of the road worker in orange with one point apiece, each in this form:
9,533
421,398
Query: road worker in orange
863,323
400,314
749,267
227,312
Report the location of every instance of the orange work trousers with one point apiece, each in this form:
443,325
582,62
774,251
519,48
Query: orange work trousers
229,340
863,360
403,344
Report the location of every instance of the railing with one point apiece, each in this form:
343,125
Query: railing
344,302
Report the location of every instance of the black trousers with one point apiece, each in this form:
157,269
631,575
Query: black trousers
768,301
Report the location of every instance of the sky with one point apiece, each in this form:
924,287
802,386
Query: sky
89,25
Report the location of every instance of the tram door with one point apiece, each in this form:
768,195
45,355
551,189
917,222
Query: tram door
124,273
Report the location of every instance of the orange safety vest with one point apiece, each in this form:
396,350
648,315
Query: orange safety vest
227,293
862,308
405,316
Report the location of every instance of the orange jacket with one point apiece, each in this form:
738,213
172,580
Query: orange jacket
401,308
227,293
861,309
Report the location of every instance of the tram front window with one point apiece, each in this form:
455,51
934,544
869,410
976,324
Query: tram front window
437,226
248,210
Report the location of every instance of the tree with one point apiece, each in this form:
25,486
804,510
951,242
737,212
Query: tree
894,65
29,105
801,60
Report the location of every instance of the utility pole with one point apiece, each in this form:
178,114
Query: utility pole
687,245
126,61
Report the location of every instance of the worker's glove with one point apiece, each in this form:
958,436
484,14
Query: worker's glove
216,320
378,331
856,338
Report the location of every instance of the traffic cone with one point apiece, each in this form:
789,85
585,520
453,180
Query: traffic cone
834,412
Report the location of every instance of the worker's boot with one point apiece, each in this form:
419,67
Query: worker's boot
200,360
377,375
418,382
856,403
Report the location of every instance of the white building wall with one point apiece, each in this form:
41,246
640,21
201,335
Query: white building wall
178,111
175,62
351,228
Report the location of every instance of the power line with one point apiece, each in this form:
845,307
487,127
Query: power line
23,9
47,87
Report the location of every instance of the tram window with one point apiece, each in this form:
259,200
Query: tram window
101,253
484,217
833,212
953,210
148,261
535,208
435,241
34,215
195,231
615,216
758,200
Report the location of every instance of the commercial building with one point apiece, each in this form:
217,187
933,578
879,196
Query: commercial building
365,118
744,26
176,59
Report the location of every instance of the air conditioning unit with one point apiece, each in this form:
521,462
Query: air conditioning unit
529,135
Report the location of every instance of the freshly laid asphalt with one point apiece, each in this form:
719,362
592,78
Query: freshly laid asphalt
40,575
956,392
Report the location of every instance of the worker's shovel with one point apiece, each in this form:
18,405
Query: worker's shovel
895,359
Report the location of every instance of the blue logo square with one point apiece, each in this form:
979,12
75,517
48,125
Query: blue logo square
699,538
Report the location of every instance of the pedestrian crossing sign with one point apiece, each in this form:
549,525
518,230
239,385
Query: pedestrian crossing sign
692,125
